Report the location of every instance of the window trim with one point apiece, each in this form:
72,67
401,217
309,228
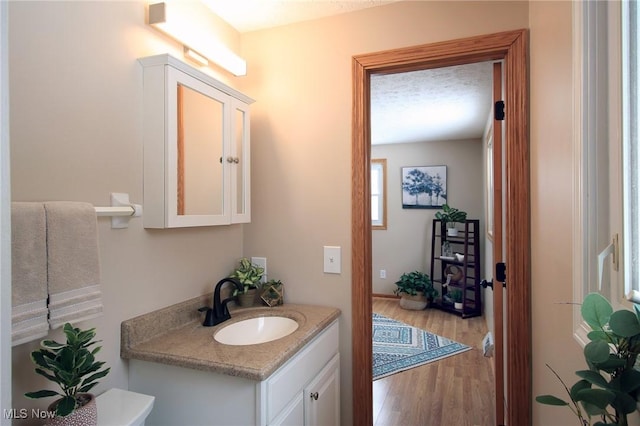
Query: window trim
382,162
595,86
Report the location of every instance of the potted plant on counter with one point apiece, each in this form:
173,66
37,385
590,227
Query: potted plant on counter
609,389
273,293
249,276
74,368
416,290
450,216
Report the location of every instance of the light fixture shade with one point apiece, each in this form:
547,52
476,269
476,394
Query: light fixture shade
177,25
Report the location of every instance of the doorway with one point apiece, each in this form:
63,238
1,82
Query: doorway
511,47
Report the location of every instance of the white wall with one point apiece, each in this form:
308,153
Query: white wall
405,245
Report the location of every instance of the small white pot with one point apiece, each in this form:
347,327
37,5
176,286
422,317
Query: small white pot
452,232
457,305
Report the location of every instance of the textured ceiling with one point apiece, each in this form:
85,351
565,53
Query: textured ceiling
251,15
439,104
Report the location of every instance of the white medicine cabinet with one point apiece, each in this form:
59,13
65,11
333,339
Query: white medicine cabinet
196,147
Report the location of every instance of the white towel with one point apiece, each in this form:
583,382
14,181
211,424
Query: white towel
72,262
29,273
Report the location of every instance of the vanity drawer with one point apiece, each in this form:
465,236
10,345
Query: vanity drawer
286,383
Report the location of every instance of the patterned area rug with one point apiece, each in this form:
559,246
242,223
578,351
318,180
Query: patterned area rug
398,347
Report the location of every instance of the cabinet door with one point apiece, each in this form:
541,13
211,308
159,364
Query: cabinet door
292,414
240,163
198,184
322,396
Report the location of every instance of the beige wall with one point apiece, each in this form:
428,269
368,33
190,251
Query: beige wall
76,135
551,204
405,245
301,135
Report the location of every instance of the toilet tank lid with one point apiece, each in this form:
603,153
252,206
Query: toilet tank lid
123,407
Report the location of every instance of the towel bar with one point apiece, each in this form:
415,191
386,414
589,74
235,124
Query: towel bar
115,211
121,210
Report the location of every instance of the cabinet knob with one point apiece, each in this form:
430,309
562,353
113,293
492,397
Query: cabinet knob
314,396
230,160
236,160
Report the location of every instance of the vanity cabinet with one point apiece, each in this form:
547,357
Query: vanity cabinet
196,147
305,390
318,403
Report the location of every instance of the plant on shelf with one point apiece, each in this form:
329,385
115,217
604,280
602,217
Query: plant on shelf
248,274
74,368
450,216
416,290
456,295
610,388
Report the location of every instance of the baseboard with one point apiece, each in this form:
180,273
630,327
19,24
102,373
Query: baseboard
385,296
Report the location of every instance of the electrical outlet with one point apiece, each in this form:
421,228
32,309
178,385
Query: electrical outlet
383,274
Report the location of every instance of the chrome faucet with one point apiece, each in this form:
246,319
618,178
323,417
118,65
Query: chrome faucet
219,312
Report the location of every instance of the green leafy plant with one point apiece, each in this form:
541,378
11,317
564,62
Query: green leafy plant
248,274
450,215
412,282
72,366
456,295
610,389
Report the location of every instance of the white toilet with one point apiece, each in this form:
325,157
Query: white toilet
117,407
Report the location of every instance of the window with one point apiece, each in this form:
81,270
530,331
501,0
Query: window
607,193
379,194
630,151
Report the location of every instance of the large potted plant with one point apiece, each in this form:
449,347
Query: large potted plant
609,389
450,216
72,365
416,290
249,275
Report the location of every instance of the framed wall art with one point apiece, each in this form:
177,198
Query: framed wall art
424,187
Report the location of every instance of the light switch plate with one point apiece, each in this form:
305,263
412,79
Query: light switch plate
332,259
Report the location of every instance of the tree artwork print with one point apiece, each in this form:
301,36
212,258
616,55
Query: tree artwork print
424,187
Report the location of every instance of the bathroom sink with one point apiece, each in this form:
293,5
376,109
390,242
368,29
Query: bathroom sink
256,330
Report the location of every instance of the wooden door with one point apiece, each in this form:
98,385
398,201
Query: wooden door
512,48
496,233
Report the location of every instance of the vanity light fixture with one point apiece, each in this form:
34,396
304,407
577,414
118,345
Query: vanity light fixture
192,54
173,22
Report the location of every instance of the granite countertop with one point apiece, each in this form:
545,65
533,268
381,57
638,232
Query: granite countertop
175,336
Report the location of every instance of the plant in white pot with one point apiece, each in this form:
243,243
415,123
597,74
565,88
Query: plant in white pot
249,275
450,216
416,290
456,298
73,366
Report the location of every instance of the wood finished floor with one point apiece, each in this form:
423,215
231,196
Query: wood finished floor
455,391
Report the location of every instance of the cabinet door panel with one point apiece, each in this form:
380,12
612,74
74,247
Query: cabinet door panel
292,415
197,180
240,188
322,396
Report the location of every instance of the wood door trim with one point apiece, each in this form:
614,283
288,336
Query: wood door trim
498,255
512,47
